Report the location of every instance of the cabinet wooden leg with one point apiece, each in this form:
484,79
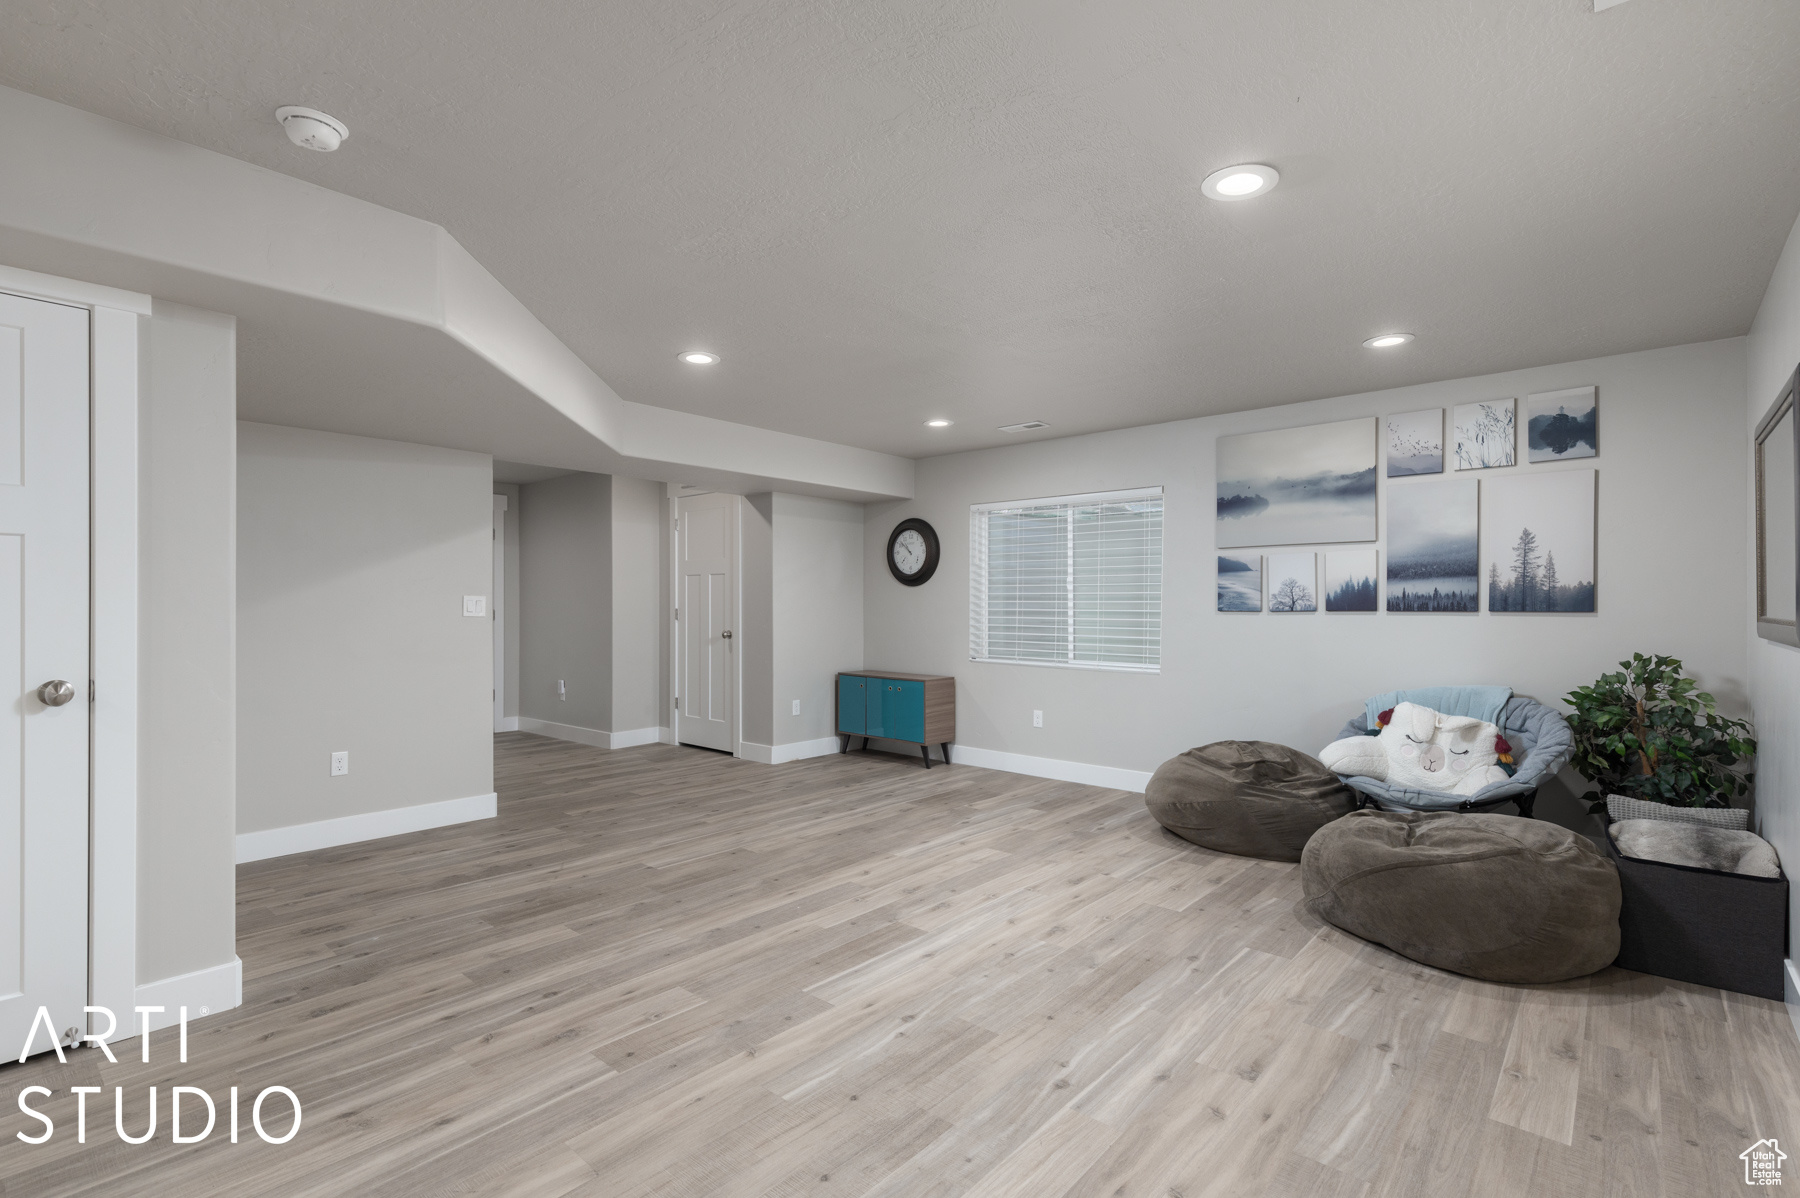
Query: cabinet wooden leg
845,747
946,747
925,752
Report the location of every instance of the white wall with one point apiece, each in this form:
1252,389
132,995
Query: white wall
509,685
1774,350
818,611
187,742
637,580
1671,480
354,556
565,601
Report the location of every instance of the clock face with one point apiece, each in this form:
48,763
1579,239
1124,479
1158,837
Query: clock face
909,552
913,552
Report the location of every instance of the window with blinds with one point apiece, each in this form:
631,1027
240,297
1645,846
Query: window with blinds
1071,581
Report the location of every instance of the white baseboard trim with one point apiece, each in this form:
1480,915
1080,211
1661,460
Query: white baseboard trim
370,825
203,992
590,736
666,736
781,754
1109,776
509,724
1792,975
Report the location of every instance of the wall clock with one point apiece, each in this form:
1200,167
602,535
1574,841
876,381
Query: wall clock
912,552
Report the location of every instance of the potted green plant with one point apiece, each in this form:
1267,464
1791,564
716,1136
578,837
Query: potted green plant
1658,748
1649,733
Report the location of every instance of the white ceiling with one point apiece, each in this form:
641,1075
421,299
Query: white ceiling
989,210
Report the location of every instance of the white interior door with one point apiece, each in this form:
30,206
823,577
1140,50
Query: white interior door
497,610
708,558
43,641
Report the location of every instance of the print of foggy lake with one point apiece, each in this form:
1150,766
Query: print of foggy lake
1415,443
1240,583
1297,486
1537,542
1433,534
1562,424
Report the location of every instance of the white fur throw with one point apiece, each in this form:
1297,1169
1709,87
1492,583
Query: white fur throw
1722,849
1424,750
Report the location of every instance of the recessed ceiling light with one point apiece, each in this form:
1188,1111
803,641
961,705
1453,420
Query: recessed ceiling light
699,357
1240,182
937,424
311,129
1388,340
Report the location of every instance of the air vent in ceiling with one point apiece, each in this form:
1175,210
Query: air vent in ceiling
1030,426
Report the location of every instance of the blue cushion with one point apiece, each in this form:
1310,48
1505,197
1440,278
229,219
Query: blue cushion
1541,744
1482,702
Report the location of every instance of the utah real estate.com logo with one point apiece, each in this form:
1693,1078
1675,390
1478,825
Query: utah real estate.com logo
1762,1163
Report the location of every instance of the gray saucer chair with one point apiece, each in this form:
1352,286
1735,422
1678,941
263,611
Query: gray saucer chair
1541,744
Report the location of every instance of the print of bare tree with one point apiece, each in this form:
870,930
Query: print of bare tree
1486,439
1291,595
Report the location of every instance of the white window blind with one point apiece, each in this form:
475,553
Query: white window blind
1072,581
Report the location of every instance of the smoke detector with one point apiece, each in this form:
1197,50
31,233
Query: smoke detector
311,129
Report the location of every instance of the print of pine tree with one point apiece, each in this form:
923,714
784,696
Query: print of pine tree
1533,586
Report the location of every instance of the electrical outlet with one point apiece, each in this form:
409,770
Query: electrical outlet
474,605
796,707
340,762
1037,719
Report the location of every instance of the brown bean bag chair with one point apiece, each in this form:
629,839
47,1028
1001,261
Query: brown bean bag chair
1247,797
1488,896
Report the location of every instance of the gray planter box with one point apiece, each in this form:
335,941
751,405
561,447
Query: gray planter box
1701,925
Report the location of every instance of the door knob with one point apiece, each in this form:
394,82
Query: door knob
55,693
726,634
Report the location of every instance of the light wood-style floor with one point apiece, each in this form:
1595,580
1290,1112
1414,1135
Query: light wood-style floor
663,971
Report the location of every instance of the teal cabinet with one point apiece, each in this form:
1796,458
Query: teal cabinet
851,700
903,710
920,708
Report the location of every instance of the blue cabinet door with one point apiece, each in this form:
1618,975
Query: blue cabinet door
852,704
903,710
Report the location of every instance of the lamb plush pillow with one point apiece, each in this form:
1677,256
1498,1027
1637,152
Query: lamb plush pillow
1423,749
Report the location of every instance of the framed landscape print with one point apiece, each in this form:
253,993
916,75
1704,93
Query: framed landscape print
1434,551
1485,434
1293,581
1240,582
1350,580
1415,443
1562,424
1297,486
1537,541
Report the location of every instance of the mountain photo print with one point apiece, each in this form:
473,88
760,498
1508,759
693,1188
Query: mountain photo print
1297,486
1240,583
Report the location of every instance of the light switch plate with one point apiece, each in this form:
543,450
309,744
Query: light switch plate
474,605
796,707
340,762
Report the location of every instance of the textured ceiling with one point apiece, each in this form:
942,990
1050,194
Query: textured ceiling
989,210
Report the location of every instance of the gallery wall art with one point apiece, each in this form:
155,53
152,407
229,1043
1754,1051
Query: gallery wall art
1350,580
1485,434
1240,583
1434,552
1562,424
1415,443
1297,486
1537,541
1293,581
